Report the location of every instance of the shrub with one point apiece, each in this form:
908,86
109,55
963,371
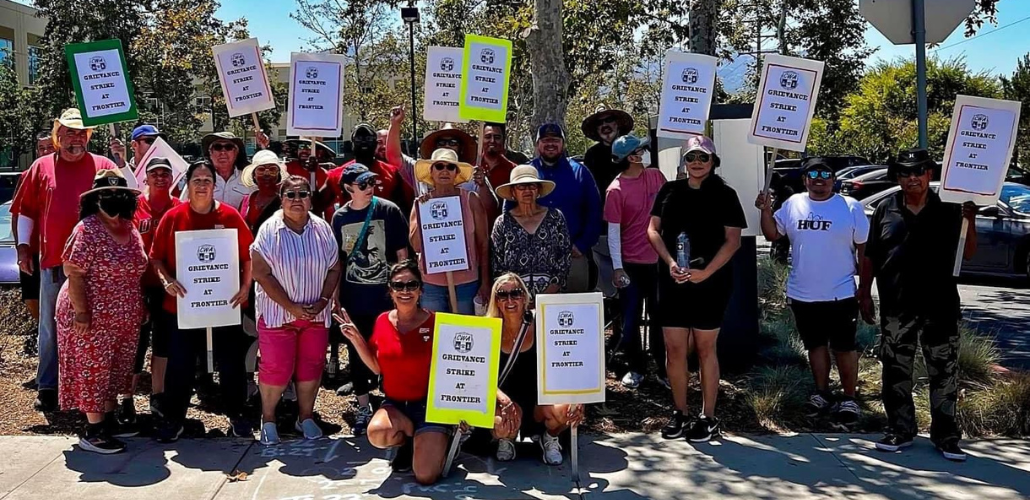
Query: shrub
775,392
1002,409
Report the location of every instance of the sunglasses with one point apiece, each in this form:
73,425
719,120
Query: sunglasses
148,140
816,174
910,171
448,142
513,294
693,156
223,147
527,187
293,195
110,195
405,286
448,166
359,186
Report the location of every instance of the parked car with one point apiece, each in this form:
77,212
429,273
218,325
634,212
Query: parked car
1002,231
867,184
853,172
8,247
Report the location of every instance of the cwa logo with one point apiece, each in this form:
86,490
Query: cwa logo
566,319
487,56
97,63
979,122
206,253
463,342
238,60
447,64
311,73
789,80
438,210
689,76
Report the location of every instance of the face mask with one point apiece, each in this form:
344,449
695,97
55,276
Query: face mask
118,207
645,159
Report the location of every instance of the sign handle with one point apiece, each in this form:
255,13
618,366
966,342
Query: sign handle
210,352
961,247
574,449
257,124
452,452
769,171
452,292
312,178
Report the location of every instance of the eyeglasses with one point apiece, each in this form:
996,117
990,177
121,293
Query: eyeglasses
293,195
527,187
111,194
693,156
513,294
148,140
223,147
448,142
441,166
405,286
910,171
815,174
270,170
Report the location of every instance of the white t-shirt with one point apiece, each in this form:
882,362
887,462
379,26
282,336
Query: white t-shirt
823,235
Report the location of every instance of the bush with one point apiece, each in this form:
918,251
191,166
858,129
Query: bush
1001,409
977,357
775,392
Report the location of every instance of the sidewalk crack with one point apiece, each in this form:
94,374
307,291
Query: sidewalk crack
834,453
225,479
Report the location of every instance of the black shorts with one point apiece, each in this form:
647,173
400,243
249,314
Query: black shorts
30,282
830,323
699,306
154,333
416,412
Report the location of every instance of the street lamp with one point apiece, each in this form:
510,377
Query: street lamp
410,16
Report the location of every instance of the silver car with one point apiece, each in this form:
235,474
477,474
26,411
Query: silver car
8,247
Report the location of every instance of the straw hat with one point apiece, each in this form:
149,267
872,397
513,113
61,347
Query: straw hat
468,144
70,118
106,180
525,174
423,168
623,119
263,157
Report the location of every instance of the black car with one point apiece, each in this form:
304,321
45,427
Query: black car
787,173
853,172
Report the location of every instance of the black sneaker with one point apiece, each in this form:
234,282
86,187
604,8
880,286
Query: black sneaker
951,451
674,429
817,405
126,413
241,427
893,442
46,400
116,428
846,414
405,454
30,384
168,433
156,401
703,429
96,439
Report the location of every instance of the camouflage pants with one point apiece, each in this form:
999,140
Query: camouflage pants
900,336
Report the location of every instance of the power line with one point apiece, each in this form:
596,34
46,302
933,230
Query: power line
982,34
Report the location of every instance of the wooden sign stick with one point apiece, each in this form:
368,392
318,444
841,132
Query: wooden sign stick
210,352
452,292
769,171
960,251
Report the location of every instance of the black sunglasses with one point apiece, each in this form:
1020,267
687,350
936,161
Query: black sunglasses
109,194
405,286
361,186
448,142
148,140
695,156
910,171
815,174
441,166
293,195
513,294
223,147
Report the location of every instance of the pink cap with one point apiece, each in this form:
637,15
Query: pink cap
700,143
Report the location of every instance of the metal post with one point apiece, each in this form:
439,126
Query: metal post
919,32
414,112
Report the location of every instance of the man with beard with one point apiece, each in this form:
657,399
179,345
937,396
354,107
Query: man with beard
494,169
388,182
301,162
48,201
604,127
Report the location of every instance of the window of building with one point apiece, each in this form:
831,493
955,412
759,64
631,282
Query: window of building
6,51
34,53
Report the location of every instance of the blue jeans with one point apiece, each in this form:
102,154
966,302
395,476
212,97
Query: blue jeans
436,299
50,281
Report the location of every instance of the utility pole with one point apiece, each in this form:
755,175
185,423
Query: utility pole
919,32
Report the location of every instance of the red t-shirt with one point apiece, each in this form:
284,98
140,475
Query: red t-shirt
404,358
389,185
34,240
146,221
295,167
501,173
183,218
49,195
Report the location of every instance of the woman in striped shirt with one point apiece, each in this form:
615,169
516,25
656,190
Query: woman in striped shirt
297,268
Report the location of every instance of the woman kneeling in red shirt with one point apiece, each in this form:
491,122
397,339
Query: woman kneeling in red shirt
401,350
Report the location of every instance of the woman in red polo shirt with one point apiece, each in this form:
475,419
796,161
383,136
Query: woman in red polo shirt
401,350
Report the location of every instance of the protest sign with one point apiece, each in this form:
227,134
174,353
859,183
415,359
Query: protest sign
103,89
786,102
161,149
486,70
207,265
443,235
687,90
443,84
463,377
242,74
316,95
570,348
979,148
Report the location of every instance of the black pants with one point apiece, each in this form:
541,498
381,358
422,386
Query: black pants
642,289
360,375
230,346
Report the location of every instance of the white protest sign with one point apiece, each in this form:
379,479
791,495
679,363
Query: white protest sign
207,265
570,348
161,149
443,235
687,90
979,148
785,104
463,378
242,74
443,84
316,95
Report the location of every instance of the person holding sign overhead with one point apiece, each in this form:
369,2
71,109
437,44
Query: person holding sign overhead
401,350
443,173
100,309
303,161
202,211
142,138
695,228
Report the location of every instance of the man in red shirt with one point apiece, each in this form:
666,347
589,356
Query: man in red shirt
52,208
494,169
389,185
300,162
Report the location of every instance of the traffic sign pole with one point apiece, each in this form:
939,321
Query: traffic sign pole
919,33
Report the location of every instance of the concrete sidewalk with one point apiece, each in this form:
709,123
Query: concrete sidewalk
626,466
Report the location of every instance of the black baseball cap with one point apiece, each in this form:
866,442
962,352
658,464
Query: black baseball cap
550,130
815,163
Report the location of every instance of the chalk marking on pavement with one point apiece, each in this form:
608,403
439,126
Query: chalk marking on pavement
329,457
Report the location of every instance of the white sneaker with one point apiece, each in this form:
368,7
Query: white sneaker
310,429
505,450
269,434
552,450
632,380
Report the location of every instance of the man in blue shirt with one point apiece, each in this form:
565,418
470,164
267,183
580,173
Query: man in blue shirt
575,195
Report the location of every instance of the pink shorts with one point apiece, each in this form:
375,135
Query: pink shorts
295,348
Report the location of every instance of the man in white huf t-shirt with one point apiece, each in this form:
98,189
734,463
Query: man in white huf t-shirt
827,235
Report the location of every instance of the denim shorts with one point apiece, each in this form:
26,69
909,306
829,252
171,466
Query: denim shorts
416,412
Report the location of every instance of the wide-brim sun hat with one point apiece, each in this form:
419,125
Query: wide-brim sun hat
70,118
468,144
106,180
623,119
241,148
524,174
424,168
263,157
318,145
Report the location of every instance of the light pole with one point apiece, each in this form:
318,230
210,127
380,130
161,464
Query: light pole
410,16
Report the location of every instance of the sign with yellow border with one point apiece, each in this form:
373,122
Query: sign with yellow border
463,377
570,348
485,74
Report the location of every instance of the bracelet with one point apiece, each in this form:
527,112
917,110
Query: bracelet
326,299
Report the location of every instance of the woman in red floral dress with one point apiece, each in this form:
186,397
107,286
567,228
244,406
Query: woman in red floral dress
100,309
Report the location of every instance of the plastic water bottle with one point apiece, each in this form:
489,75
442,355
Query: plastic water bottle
683,251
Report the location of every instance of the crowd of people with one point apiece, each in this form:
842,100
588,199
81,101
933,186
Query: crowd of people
333,254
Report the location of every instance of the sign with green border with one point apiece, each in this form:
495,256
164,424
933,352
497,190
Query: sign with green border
100,76
463,377
485,73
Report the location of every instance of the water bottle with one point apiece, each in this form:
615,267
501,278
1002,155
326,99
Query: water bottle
683,251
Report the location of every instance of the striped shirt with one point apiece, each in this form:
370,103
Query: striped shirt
299,262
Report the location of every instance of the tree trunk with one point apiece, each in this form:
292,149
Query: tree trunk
547,60
703,25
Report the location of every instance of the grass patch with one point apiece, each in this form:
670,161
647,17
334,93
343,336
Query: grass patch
776,394
1002,409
